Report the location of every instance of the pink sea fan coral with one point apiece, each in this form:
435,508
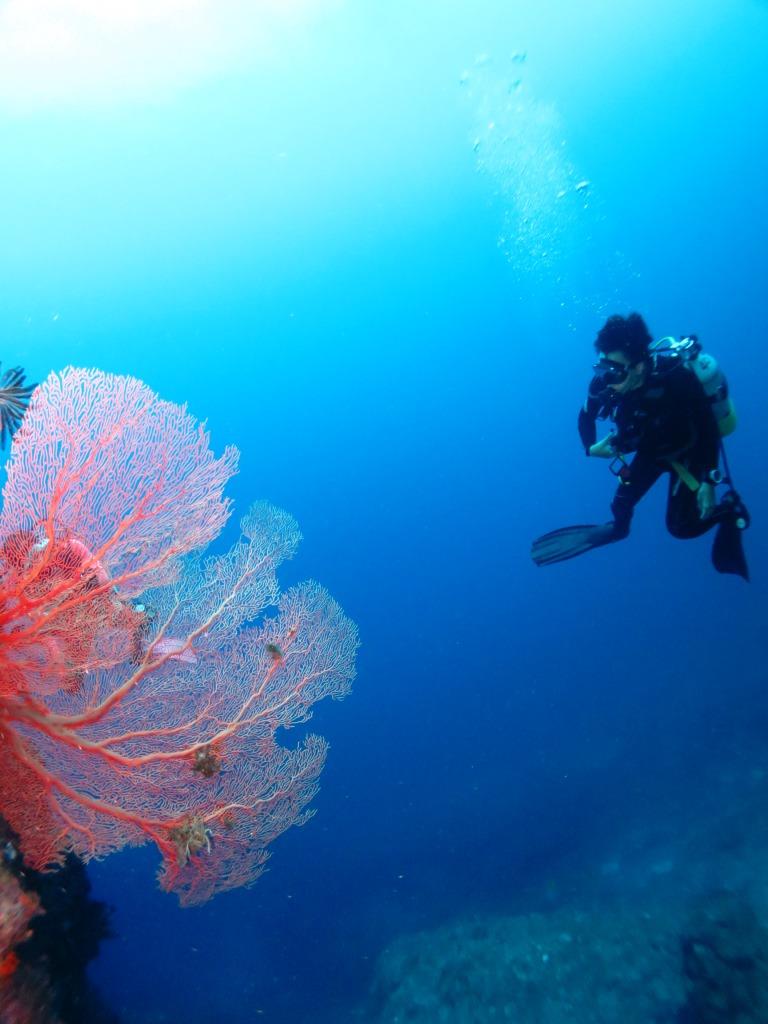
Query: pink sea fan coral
141,685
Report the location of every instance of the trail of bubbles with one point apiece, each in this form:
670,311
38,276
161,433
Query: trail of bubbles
549,209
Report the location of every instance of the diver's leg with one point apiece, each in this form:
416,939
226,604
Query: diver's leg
730,517
560,545
683,518
641,475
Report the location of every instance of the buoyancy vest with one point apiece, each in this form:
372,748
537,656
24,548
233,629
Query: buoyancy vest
688,350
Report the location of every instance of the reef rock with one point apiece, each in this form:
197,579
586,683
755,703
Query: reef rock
574,966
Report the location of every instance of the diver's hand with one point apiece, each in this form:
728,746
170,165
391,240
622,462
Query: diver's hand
705,498
605,449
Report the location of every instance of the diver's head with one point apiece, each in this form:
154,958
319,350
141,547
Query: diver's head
622,345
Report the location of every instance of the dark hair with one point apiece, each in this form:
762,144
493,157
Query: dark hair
627,334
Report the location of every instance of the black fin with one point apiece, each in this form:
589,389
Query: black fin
728,549
570,541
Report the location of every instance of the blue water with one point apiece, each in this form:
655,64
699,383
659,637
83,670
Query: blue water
324,248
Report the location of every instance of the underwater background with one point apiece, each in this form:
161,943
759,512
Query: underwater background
371,244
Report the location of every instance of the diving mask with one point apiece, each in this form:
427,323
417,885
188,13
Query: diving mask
610,372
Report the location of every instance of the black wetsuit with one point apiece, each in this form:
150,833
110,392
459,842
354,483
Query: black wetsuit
668,418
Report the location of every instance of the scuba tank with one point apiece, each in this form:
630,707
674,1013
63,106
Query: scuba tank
705,366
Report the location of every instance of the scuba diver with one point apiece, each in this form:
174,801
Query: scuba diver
669,405
14,399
